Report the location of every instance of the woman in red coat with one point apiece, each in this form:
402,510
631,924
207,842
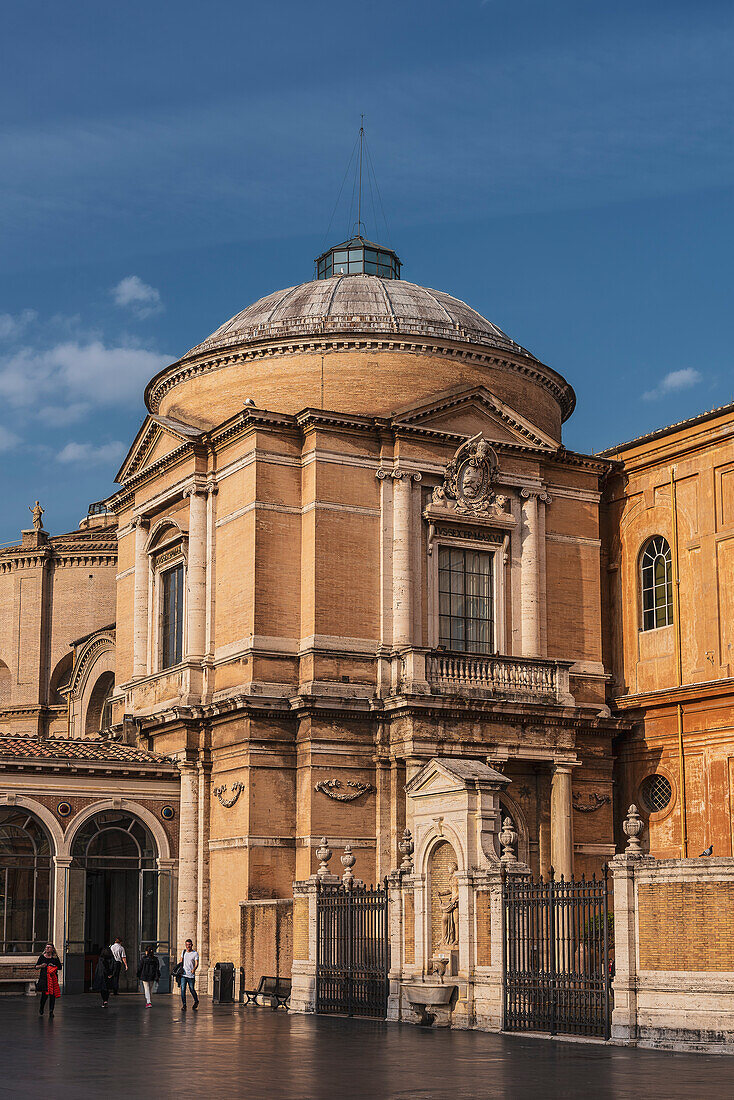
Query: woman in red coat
48,981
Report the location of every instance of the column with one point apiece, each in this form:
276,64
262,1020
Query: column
202,873
188,821
530,576
196,577
211,520
402,573
561,821
140,601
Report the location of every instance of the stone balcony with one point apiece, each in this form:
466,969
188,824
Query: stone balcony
521,679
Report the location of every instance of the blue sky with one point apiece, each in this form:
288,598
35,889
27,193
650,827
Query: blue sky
566,168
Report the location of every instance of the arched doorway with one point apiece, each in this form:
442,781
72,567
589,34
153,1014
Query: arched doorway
25,883
114,888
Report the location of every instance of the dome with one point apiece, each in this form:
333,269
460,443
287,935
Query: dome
358,304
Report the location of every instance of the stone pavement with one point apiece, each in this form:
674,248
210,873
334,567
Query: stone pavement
129,1051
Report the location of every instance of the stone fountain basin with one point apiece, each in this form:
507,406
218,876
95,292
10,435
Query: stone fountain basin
429,993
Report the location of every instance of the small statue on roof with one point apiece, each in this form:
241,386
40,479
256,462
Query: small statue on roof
37,512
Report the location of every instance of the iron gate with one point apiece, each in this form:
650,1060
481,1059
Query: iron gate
352,950
556,955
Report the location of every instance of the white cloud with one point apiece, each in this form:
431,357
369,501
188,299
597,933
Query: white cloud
75,372
91,453
59,416
132,293
673,382
8,439
12,325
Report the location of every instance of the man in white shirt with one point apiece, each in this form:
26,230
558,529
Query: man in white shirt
120,957
190,962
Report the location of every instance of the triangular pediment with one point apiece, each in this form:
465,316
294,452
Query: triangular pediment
444,775
158,436
466,412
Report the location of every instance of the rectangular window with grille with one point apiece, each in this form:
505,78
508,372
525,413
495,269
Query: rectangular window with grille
465,600
172,616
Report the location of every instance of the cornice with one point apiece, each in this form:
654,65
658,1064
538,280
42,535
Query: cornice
673,695
524,715
89,767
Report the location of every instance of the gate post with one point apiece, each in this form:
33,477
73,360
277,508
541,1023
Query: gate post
305,940
303,974
397,949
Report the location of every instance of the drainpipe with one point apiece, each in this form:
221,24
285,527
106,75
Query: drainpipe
678,668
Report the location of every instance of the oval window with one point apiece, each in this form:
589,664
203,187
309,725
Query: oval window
656,793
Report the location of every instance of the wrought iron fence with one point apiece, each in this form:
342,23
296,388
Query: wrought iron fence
353,950
556,942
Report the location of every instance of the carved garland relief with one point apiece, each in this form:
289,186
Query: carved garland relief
221,794
332,788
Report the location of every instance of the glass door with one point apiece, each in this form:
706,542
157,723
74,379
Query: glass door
155,920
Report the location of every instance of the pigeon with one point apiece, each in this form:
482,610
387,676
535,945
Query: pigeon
709,851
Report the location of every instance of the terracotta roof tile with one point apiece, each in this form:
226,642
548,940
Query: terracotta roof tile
32,748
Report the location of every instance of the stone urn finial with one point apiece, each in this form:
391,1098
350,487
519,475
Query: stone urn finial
407,848
324,853
348,861
508,840
633,826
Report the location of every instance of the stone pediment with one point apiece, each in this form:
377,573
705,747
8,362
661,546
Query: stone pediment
447,775
469,412
158,437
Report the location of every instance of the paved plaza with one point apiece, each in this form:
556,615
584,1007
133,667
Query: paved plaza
128,1051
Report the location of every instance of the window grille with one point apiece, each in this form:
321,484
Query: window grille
657,584
466,600
656,793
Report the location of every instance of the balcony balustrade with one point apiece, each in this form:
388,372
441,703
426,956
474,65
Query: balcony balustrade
531,679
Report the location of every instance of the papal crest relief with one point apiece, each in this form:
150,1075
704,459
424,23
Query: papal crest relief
469,479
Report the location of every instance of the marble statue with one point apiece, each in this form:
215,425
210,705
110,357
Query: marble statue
37,512
449,910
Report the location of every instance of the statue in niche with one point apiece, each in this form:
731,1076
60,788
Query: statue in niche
450,910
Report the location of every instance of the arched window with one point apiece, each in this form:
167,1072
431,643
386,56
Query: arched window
99,711
656,573
114,839
25,883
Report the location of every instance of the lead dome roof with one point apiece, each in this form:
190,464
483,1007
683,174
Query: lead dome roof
358,304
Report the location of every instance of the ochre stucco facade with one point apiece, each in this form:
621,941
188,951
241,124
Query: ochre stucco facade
296,468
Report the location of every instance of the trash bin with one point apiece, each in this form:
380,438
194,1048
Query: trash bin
223,984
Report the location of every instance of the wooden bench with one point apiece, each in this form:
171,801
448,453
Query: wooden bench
277,989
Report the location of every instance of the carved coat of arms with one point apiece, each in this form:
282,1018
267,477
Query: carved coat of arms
469,479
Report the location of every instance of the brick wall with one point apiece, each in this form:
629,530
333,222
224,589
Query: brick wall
686,926
484,928
268,939
409,926
300,928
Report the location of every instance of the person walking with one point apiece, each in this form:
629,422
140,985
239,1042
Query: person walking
189,962
48,981
120,960
103,975
149,971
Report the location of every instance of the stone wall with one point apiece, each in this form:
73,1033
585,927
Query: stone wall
267,939
674,944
